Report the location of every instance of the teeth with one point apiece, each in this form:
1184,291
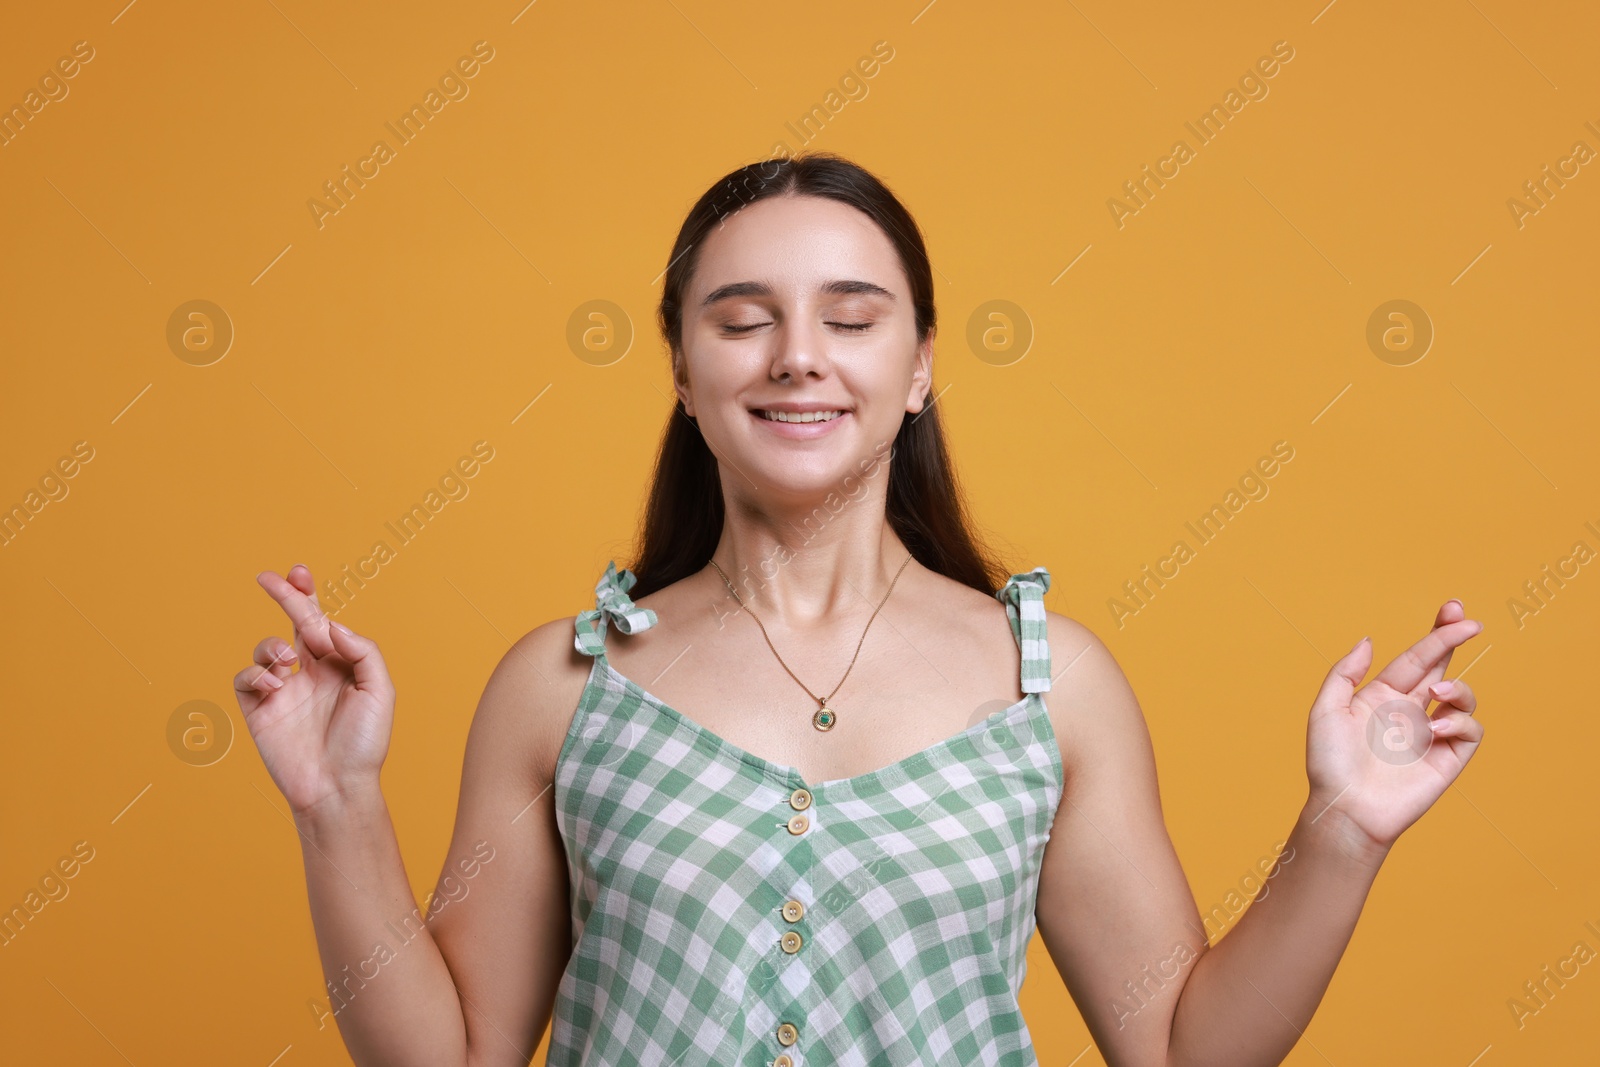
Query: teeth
801,416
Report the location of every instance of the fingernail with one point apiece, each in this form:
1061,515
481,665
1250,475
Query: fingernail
1454,601
1357,645
1437,724
271,681
286,654
1442,687
341,626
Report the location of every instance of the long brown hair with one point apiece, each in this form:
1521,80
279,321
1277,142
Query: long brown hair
684,515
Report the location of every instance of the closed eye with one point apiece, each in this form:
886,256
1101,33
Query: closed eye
857,327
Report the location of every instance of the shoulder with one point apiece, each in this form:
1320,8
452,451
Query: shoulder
530,698
1070,643
950,621
1093,709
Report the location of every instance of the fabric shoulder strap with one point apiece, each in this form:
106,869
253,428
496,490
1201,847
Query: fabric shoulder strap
611,602
1023,596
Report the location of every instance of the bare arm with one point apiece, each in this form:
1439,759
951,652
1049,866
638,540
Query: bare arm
469,980
508,939
1114,908
1375,762
1249,998
1115,911
393,1000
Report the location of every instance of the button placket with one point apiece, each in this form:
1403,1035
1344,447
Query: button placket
799,823
803,814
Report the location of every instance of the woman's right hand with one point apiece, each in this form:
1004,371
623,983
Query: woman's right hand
322,731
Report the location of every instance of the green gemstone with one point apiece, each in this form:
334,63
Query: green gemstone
823,719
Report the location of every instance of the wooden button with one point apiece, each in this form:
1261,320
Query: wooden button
787,1034
790,942
798,823
800,799
793,911
783,1060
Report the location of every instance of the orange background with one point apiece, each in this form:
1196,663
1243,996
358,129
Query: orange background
369,354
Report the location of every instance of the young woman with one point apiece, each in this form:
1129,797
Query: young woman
722,818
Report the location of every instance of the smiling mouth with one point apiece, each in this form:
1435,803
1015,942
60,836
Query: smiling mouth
798,416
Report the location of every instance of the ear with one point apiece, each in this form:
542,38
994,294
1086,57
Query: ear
921,375
680,382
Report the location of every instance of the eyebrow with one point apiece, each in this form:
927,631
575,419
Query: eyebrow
833,288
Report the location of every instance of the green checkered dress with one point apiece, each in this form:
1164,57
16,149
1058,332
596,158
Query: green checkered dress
726,911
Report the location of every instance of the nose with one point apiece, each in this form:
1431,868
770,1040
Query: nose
799,351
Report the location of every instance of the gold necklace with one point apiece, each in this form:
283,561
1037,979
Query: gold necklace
824,717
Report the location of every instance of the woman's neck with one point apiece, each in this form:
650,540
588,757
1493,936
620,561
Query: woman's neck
806,566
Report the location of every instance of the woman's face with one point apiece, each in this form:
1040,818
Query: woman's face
799,304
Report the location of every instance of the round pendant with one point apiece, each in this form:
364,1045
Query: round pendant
824,718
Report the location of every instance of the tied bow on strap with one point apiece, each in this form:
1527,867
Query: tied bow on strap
611,603
1023,597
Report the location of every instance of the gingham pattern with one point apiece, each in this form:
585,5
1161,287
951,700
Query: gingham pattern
1024,600
918,879
611,601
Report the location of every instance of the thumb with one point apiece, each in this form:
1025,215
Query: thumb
1345,675
372,675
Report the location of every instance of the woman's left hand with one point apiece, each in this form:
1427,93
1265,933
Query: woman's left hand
1374,758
